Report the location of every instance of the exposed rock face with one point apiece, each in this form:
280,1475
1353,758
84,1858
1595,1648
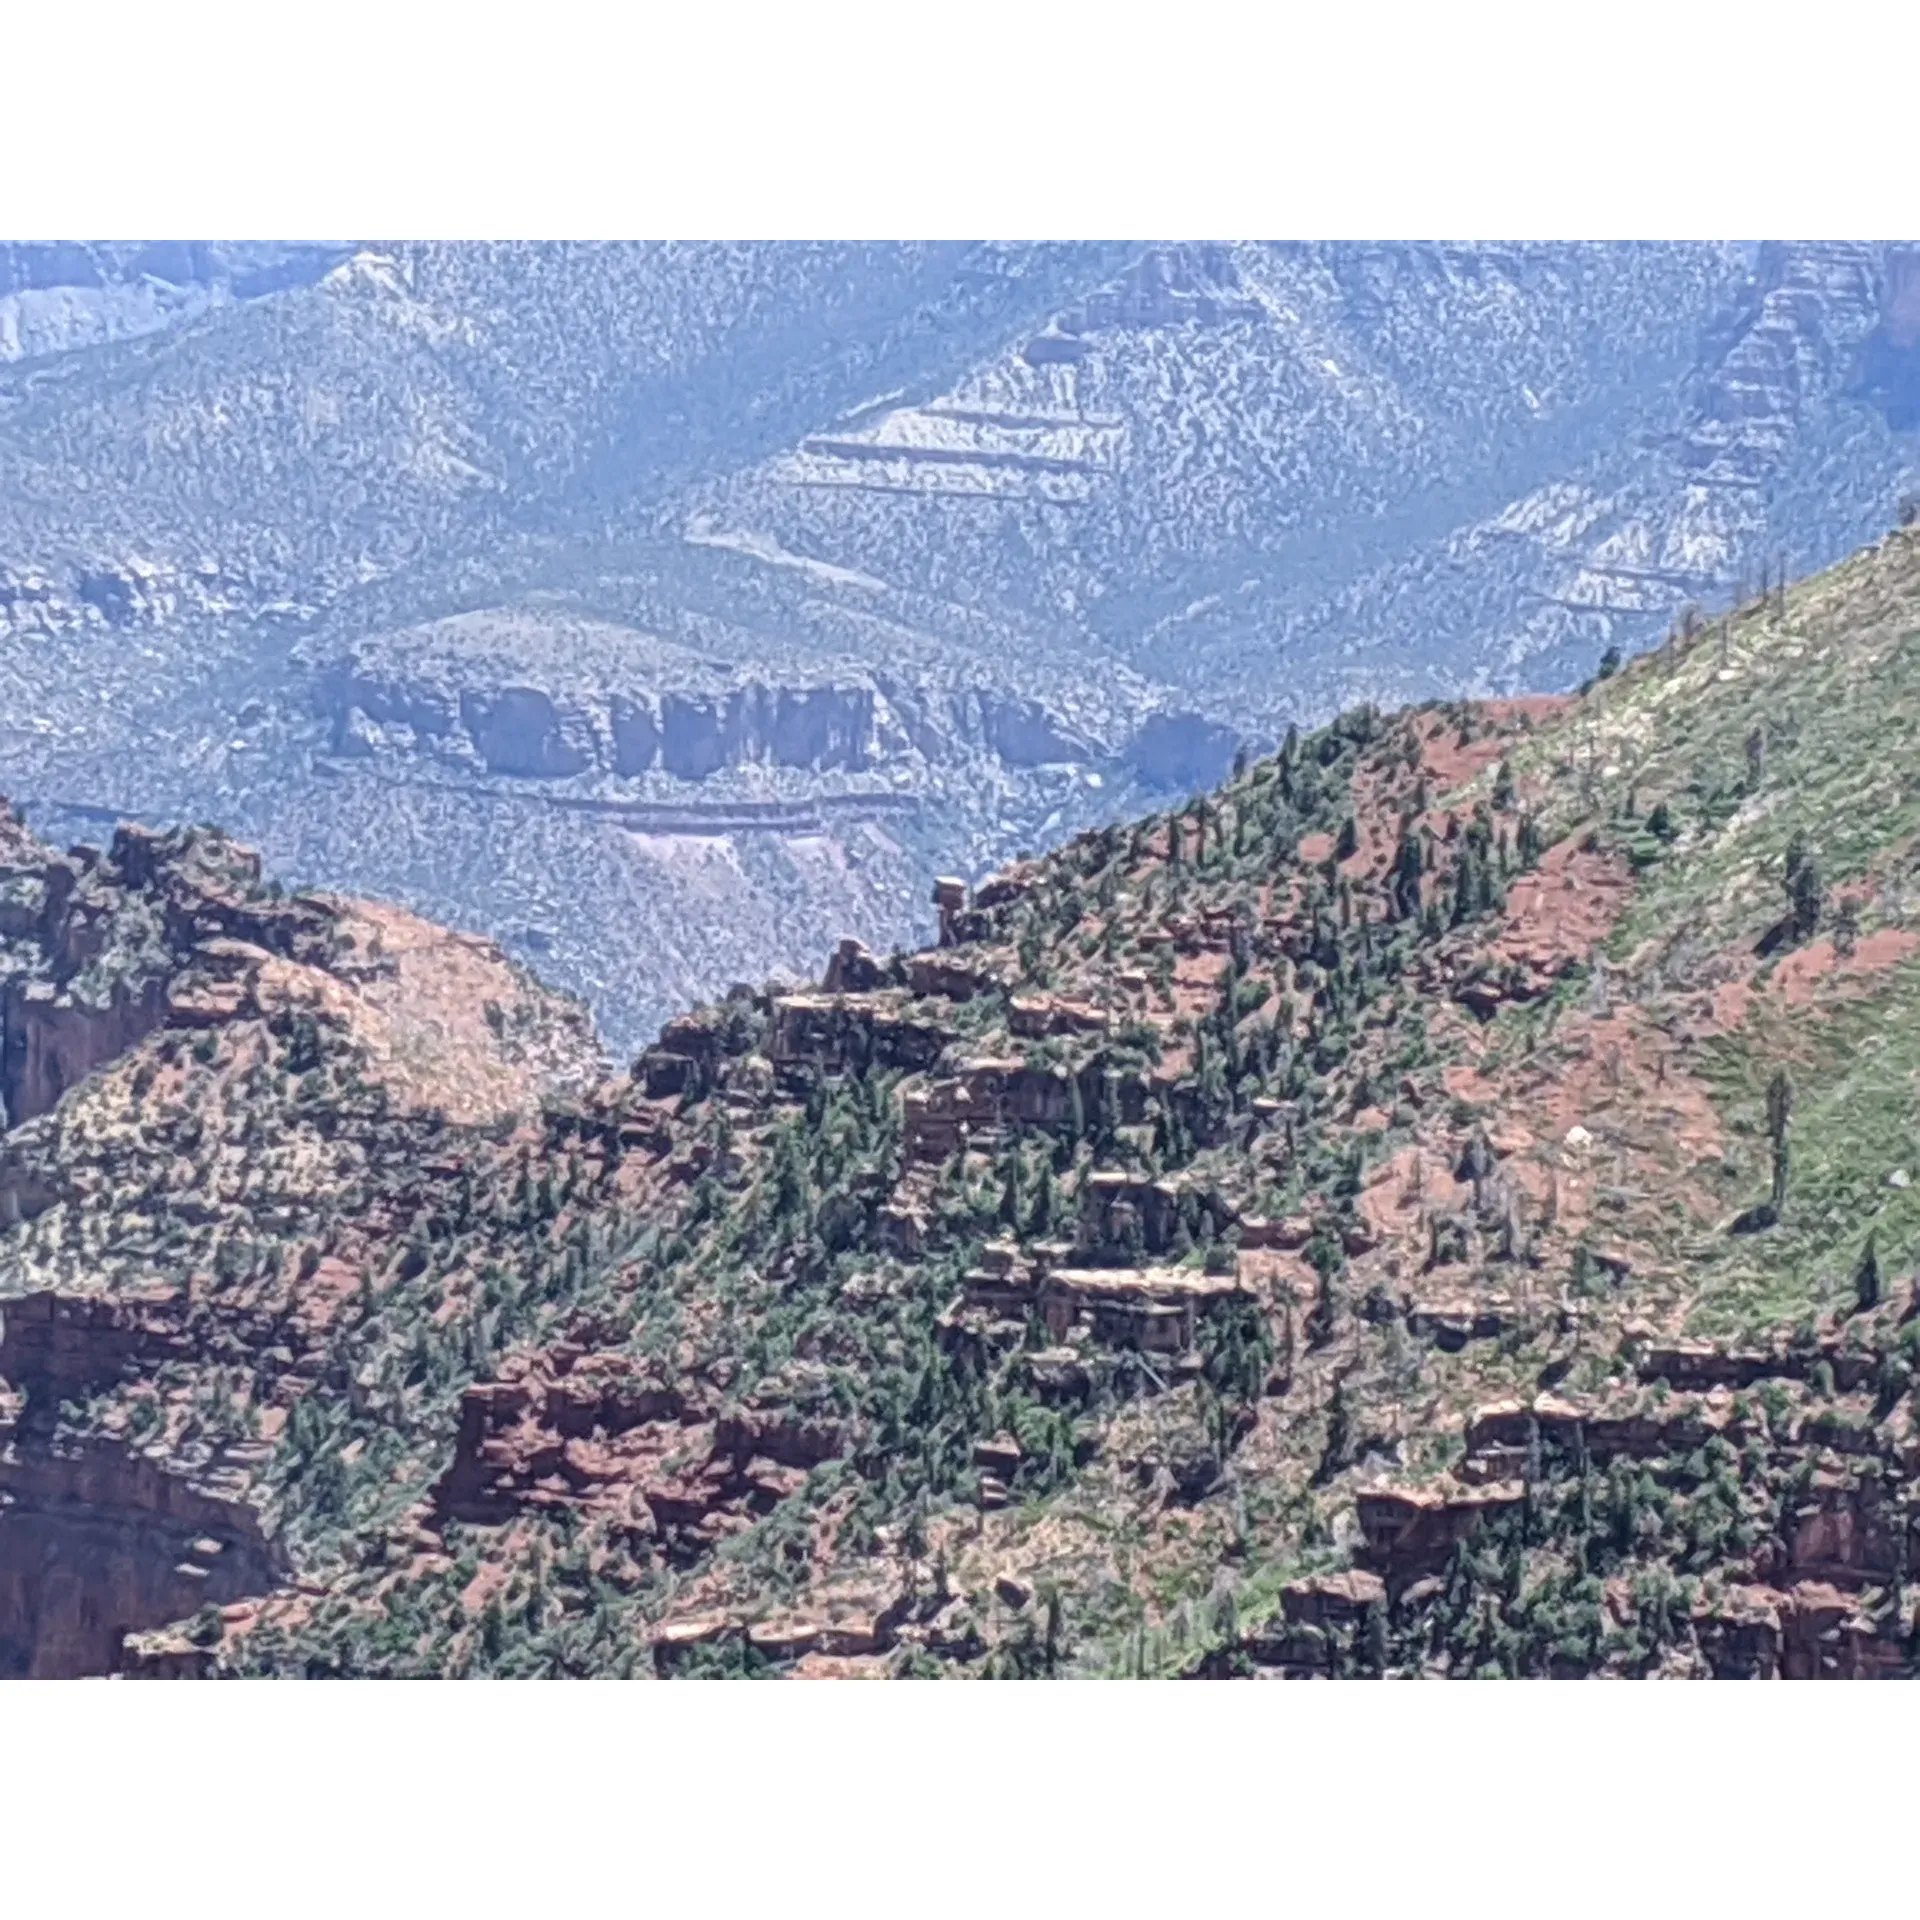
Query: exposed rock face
1120,1211
815,728
559,1433
597,699
518,731
97,951
1182,750
1024,734
56,1346
987,1095
1413,1531
529,733
94,950
1323,1624
97,1543
818,1034
99,1540
1809,1603
1156,1310
1810,1632
49,1043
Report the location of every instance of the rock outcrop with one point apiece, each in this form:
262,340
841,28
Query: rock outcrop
98,951
97,1543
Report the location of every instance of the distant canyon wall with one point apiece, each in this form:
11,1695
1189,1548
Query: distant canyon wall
519,729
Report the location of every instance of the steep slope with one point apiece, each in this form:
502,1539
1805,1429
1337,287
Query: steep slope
401,574
1438,1204
416,407
218,1098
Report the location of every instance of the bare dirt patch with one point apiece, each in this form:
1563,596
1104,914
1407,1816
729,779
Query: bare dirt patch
1563,909
1448,764
447,1020
1815,971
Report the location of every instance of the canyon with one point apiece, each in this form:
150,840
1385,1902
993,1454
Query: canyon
1424,1206
668,612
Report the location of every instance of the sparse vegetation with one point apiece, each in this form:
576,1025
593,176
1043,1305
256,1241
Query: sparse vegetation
1268,1235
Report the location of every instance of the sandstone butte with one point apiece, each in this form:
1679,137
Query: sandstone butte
1435,1205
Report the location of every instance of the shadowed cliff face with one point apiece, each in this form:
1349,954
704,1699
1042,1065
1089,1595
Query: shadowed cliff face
543,706
523,732
99,1539
48,1044
97,1542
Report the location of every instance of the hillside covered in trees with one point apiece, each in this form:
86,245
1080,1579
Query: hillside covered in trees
1442,1203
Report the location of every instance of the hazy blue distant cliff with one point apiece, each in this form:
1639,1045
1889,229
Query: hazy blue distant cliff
669,609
